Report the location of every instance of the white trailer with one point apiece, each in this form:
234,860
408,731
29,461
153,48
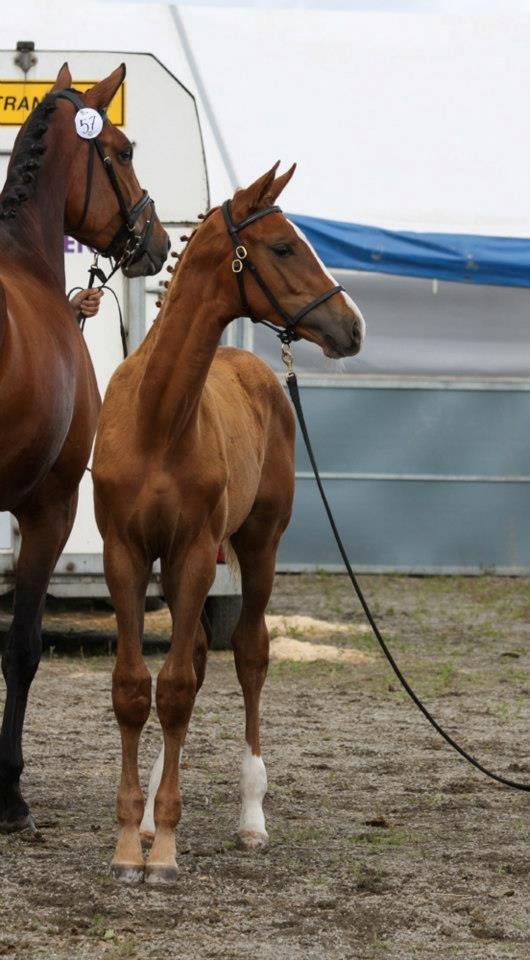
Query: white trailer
159,115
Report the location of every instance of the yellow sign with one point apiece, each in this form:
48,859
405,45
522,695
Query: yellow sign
19,97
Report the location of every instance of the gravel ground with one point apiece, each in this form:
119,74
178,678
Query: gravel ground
384,844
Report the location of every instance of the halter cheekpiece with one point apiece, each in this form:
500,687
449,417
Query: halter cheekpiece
242,262
126,246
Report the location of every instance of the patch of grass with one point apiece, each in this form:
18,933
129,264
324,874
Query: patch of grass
319,670
390,837
509,709
125,947
225,734
99,929
303,834
434,800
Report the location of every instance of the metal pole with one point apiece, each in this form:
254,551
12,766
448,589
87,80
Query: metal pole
203,94
135,311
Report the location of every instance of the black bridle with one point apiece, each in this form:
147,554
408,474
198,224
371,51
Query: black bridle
126,246
242,262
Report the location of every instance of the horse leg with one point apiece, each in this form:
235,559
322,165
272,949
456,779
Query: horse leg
186,587
44,530
127,575
256,551
200,653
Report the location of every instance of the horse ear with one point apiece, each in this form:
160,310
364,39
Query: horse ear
252,197
64,79
278,185
100,95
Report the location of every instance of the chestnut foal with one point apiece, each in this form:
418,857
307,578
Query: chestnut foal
196,446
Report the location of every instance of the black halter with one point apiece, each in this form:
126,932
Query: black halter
242,260
126,246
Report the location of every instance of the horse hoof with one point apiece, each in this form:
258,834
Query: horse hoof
127,872
25,822
160,875
252,840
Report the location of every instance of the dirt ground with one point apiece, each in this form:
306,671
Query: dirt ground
383,843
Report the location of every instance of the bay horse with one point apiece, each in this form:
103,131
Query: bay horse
49,400
195,447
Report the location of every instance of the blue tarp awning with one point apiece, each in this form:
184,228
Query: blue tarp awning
503,261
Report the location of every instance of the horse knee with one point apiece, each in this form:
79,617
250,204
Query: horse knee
251,649
175,696
131,696
21,657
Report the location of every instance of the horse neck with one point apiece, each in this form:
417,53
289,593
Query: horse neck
36,231
184,342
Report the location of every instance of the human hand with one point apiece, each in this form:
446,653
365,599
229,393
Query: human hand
86,302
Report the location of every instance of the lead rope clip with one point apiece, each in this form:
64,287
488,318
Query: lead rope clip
287,358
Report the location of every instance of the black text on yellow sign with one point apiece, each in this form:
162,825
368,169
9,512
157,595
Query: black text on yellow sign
19,97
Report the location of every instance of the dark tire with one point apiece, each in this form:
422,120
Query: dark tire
223,614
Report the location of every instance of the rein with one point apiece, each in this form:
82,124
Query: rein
287,335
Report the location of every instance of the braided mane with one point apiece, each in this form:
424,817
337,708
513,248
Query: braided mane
167,284
25,162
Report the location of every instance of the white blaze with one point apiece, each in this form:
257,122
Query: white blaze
253,785
346,297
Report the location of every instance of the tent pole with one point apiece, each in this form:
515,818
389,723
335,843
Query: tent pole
205,100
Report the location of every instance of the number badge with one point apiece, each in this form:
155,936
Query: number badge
88,123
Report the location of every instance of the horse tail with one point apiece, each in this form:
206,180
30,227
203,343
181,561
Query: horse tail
231,559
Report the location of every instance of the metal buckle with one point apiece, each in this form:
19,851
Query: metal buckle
237,266
241,252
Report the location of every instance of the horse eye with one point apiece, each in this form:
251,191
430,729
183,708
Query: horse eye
282,250
126,155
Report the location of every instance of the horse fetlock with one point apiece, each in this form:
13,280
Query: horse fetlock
167,810
252,840
161,865
129,808
14,811
128,862
253,785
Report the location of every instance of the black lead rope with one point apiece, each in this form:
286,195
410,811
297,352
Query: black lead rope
292,385
95,271
287,334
